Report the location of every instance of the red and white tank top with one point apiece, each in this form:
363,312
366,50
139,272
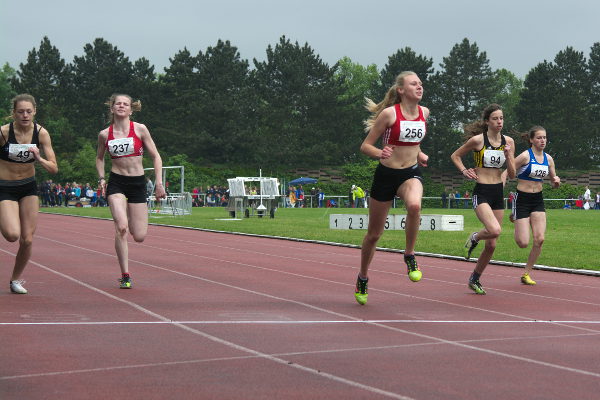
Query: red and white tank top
405,132
124,147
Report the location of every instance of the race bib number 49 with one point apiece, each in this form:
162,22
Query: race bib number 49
121,147
412,131
20,152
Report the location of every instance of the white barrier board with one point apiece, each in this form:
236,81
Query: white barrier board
429,222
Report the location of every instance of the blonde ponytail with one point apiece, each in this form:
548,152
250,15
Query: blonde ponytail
391,97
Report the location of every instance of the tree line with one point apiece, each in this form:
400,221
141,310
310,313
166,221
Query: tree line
294,110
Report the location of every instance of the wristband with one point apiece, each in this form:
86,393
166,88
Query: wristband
463,170
101,179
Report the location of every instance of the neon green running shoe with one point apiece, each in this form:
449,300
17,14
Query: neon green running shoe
361,292
476,287
125,282
526,280
412,269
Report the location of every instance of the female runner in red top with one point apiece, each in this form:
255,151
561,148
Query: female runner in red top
126,142
400,122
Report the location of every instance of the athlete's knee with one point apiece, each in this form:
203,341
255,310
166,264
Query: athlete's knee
522,243
494,231
121,230
372,237
139,237
11,236
538,241
413,208
26,241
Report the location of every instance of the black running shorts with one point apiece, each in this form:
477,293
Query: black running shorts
492,194
133,187
526,203
16,190
386,181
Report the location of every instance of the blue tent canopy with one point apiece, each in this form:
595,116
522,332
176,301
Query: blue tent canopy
303,181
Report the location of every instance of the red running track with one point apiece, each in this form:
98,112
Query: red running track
220,316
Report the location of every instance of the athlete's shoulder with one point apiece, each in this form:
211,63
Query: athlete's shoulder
43,133
388,114
41,130
389,111
476,139
140,128
524,154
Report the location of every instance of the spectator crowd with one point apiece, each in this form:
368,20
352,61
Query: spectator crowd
70,194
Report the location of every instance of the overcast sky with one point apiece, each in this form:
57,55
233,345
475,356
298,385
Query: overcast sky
515,34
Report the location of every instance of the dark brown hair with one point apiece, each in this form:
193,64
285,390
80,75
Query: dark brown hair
530,134
480,126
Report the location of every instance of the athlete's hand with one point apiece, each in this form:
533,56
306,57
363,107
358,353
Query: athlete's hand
422,159
36,153
386,152
508,150
555,182
469,173
159,191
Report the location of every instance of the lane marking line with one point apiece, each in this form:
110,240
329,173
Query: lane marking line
301,322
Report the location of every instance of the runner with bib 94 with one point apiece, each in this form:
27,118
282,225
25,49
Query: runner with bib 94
492,151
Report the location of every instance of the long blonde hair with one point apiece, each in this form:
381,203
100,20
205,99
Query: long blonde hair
391,97
135,105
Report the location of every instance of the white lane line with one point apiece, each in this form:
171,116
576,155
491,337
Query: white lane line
306,322
262,253
337,314
370,350
224,342
312,278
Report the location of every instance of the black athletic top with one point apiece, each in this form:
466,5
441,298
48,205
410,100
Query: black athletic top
13,151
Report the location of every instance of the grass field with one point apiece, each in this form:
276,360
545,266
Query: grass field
572,236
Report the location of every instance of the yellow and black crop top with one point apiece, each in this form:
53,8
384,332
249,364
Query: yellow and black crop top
490,156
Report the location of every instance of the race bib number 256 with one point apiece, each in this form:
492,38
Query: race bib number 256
412,131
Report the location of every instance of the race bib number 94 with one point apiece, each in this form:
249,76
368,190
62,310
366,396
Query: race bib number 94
412,131
121,147
493,158
20,152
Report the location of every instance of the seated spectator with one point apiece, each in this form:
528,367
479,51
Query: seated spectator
211,200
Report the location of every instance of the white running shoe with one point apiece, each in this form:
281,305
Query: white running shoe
17,287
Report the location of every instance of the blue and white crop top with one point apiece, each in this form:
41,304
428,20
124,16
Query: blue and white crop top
533,170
